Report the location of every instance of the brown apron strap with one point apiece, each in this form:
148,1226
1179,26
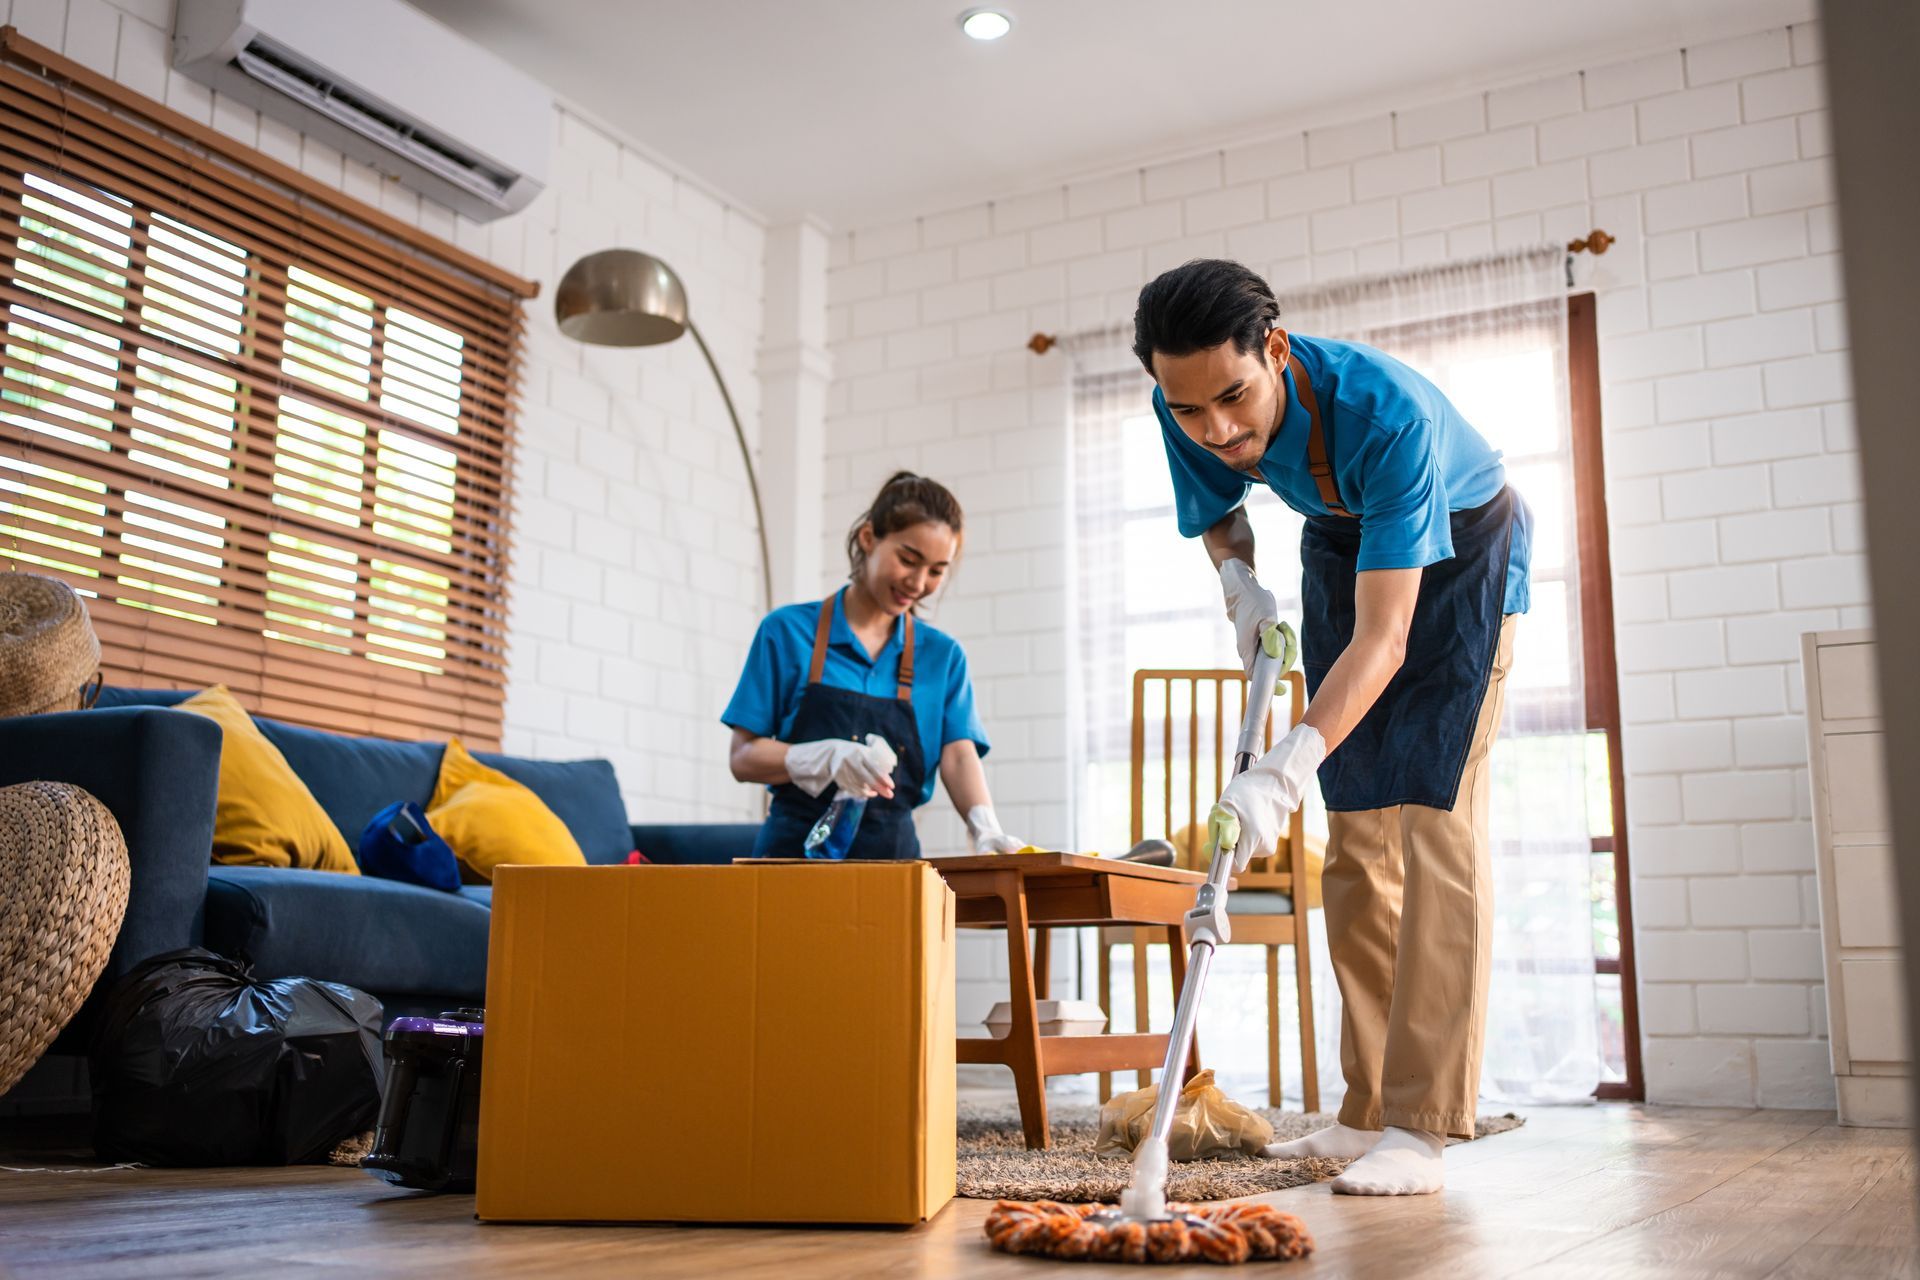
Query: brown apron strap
1317,462
820,634
824,628
905,691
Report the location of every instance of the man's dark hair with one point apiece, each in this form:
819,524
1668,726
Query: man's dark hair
1202,304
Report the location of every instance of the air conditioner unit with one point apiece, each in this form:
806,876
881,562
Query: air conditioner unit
385,84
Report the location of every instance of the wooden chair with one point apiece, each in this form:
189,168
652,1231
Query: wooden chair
1264,909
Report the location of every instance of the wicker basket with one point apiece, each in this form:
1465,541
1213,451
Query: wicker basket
48,651
63,893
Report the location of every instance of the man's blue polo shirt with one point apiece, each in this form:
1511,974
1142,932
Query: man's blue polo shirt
1403,457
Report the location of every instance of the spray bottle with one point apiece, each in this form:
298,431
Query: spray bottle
832,836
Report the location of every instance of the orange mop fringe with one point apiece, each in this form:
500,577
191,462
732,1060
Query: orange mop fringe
1228,1234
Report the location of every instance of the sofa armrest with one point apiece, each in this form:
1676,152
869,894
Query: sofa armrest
158,772
688,843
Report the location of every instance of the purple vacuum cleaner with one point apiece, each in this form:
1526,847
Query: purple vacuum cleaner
428,1133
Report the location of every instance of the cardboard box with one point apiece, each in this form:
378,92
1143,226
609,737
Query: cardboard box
769,1042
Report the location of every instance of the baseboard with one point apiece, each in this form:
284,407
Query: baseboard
1874,1102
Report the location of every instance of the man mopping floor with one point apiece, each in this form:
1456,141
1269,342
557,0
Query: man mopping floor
1415,562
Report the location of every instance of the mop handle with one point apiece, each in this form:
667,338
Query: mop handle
1268,666
1266,674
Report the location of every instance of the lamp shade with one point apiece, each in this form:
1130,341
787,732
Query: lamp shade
621,298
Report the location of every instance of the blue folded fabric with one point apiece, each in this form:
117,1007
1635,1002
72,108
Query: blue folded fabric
400,845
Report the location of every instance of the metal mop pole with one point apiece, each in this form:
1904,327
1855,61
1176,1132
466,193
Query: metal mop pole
1206,924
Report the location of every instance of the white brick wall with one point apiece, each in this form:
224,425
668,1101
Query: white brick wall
1731,467
636,573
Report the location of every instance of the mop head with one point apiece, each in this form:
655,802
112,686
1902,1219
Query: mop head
1227,1234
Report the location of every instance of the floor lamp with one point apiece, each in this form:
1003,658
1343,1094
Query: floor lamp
625,298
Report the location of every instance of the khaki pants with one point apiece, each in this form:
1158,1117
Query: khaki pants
1409,901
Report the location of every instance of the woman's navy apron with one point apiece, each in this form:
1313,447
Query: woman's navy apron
886,829
1411,746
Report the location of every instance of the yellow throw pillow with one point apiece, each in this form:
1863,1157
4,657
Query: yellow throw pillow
490,820
265,816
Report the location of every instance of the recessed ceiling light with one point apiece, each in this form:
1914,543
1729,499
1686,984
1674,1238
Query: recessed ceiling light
985,24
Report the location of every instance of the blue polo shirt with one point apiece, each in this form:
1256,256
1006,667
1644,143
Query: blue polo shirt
768,695
1402,455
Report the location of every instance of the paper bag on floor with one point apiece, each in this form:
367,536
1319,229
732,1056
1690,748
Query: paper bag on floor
1206,1123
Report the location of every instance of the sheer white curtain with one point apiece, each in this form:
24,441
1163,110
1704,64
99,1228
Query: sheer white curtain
1492,334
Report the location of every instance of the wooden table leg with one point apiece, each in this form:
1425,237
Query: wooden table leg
1142,1078
1023,1037
1043,963
1106,1001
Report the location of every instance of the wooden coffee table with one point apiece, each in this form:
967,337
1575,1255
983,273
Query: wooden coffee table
1042,891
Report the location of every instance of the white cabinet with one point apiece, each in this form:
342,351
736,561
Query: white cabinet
1859,902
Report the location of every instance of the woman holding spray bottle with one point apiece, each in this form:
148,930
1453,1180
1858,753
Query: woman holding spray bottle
853,697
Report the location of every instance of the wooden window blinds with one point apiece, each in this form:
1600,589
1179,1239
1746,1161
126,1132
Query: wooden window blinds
266,429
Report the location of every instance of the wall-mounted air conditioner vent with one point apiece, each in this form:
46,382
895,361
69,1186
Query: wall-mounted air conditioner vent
385,84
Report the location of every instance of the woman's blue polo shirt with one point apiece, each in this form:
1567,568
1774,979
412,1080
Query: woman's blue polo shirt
768,695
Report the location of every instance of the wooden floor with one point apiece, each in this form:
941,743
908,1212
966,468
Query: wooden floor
1600,1191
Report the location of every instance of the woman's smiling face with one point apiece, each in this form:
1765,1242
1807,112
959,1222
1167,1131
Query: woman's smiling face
907,565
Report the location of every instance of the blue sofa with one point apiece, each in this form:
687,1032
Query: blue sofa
416,949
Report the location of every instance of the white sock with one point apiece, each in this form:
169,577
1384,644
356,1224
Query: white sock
1405,1162
1338,1142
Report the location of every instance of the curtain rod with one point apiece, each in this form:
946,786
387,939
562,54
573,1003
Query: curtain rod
1595,242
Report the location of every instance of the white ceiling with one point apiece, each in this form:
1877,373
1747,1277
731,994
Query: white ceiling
862,111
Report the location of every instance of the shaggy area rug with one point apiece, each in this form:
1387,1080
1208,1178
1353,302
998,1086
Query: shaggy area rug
996,1165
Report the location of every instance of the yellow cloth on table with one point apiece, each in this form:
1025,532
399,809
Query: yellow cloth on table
489,820
264,816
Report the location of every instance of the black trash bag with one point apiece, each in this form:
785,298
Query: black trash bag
196,1062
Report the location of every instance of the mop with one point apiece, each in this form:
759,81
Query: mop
1145,1226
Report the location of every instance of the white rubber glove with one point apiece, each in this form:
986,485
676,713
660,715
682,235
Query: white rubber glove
983,825
1265,796
860,768
1250,606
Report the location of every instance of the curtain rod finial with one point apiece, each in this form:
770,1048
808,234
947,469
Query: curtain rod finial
1041,343
1596,241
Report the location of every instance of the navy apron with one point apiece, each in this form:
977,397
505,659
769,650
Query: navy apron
1411,746
886,828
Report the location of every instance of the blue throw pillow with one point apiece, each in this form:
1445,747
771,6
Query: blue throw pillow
399,845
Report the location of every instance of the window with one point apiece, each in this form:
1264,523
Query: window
266,431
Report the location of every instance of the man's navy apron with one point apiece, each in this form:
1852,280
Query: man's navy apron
886,829
1411,746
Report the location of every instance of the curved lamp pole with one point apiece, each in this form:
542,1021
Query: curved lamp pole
625,298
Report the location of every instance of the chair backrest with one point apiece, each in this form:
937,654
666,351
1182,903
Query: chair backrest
1184,726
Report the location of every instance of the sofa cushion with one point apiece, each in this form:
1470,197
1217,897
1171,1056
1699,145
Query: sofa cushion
354,778
382,936
491,820
265,816
585,794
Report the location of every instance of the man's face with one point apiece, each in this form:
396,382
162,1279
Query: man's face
1228,402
